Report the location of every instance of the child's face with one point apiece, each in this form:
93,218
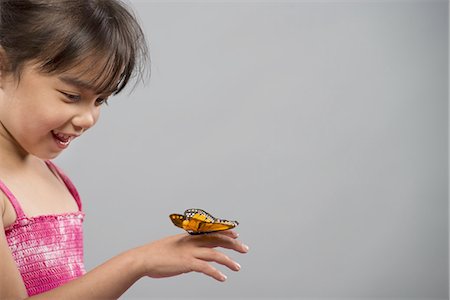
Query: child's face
41,114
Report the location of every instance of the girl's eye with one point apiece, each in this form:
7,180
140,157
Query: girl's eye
72,97
101,101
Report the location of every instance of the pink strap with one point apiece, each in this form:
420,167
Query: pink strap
13,200
53,167
67,182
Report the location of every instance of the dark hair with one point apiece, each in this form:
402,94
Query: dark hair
62,34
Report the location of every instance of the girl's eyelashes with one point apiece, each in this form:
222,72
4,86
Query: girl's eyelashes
101,101
75,98
71,97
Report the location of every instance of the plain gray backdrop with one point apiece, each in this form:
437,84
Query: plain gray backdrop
322,126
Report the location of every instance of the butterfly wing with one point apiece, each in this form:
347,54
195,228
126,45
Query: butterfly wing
198,221
199,214
177,220
195,220
218,225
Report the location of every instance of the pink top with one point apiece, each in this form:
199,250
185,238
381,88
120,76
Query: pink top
48,249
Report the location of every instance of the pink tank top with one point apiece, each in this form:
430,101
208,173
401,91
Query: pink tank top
48,249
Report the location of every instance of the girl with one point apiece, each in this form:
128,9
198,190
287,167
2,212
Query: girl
59,62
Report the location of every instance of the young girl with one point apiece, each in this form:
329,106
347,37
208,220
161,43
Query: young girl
59,62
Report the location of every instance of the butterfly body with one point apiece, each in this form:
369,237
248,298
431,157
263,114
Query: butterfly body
198,221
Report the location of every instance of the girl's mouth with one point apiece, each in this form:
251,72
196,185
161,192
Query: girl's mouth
62,140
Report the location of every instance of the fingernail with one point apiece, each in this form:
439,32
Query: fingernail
238,266
245,248
223,277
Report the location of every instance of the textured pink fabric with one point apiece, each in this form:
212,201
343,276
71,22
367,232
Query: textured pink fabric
48,249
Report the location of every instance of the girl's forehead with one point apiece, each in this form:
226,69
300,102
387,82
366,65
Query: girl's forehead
87,68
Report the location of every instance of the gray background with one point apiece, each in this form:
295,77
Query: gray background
322,126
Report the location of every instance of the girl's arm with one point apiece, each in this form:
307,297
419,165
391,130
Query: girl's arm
11,284
167,257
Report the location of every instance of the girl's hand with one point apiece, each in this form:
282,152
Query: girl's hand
185,253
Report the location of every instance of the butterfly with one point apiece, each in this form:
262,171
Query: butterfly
198,221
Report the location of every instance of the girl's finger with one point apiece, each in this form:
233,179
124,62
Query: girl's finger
212,255
213,240
231,233
201,266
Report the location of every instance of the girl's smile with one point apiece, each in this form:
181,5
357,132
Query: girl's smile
41,114
63,140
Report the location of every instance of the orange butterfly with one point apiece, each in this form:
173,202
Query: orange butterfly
198,221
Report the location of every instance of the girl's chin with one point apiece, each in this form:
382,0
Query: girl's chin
43,152
46,155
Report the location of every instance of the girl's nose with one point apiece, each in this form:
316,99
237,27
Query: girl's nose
85,119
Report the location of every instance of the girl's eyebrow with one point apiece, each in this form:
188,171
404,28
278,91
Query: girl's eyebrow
81,84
